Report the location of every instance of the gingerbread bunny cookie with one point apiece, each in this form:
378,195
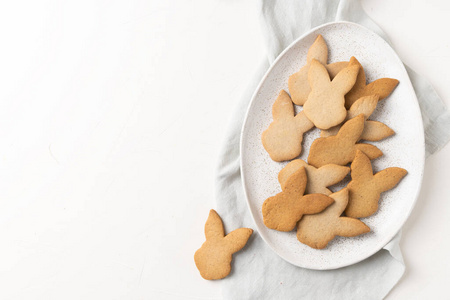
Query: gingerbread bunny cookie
213,259
325,106
282,211
298,83
318,179
365,187
373,130
283,138
318,230
341,149
382,87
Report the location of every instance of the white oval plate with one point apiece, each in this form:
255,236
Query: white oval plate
405,149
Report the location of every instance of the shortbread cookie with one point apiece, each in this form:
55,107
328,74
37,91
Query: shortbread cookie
341,149
365,188
283,211
298,83
213,259
382,87
318,230
373,130
325,106
283,138
317,179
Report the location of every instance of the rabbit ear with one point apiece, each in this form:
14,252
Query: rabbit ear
283,106
361,167
318,75
332,174
288,170
361,78
334,68
214,226
237,239
352,129
318,50
389,178
303,123
340,202
383,87
375,131
345,79
314,203
349,227
364,105
296,183
371,151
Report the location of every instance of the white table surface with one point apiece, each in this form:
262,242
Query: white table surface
111,118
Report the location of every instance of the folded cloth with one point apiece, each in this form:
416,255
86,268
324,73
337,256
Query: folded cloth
259,273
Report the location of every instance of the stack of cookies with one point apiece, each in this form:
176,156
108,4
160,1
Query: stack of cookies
337,100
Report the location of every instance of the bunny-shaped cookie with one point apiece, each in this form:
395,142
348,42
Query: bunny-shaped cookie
365,188
282,211
283,138
318,178
382,87
318,230
325,106
373,130
341,149
298,82
213,259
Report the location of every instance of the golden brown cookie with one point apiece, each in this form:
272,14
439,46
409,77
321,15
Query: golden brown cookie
213,259
282,211
365,188
382,87
373,130
341,149
318,230
317,179
283,138
325,106
298,82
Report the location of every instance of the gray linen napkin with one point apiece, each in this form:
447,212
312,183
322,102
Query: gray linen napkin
259,273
